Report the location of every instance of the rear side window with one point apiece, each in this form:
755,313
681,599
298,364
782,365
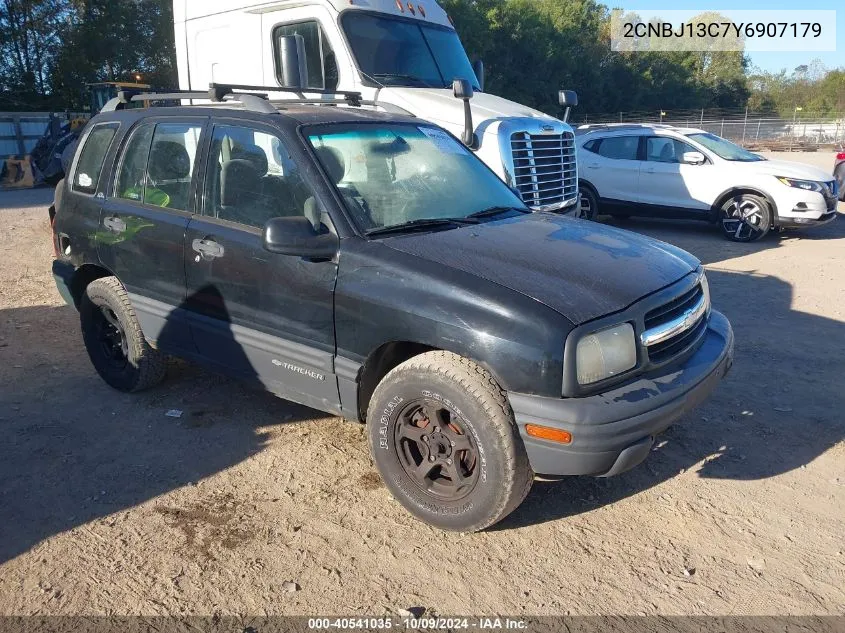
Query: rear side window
619,147
158,163
91,159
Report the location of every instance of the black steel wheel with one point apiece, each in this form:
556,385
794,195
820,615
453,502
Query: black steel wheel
746,218
443,437
114,340
436,453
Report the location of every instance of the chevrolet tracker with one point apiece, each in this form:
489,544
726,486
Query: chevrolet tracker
370,265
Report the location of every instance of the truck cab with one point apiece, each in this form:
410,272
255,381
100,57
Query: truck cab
400,54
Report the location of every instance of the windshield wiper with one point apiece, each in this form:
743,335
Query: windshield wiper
494,211
401,76
426,223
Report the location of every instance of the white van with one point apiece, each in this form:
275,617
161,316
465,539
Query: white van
397,53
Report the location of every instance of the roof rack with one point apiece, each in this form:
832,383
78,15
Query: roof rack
592,127
256,100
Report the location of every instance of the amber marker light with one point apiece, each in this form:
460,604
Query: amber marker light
400,6
546,433
411,9
422,9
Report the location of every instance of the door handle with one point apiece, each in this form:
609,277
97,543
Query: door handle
649,170
114,224
592,166
208,249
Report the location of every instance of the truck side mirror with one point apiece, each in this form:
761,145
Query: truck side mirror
293,64
478,69
568,99
462,89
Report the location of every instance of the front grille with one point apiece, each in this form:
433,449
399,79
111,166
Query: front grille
544,168
687,334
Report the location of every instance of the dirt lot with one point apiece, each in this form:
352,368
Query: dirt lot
108,506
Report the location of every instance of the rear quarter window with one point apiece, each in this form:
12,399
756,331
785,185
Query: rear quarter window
619,147
91,158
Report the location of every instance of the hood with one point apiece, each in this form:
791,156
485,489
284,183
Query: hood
440,106
581,269
787,169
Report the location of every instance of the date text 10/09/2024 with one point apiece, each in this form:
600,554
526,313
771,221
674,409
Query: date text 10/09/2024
419,624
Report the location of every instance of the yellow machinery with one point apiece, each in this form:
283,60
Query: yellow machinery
45,164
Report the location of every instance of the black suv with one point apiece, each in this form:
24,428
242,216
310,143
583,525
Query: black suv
369,265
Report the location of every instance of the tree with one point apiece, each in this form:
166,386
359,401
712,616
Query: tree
31,33
116,40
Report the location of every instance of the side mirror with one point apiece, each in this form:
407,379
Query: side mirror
568,99
462,89
478,69
293,65
693,158
296,236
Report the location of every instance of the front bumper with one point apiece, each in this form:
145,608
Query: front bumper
796,222
614,431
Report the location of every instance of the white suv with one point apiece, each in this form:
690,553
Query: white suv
670,172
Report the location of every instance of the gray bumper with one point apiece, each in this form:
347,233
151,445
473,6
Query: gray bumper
614,431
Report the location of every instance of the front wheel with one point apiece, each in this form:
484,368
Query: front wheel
443,437
746,218
589,204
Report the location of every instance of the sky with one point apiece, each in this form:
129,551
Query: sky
767,61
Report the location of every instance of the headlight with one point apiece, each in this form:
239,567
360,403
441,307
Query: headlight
605,353
806,185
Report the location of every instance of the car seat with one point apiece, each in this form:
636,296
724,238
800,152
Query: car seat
169,172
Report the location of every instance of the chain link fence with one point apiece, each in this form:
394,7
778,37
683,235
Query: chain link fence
755,131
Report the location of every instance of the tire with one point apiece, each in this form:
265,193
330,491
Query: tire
589,204
421,415
114,340
745,218
840,176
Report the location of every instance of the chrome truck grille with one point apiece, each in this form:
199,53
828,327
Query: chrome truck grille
544,168
677,325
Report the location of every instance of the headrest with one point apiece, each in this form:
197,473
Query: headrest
169,161
240,182
254,155
333,163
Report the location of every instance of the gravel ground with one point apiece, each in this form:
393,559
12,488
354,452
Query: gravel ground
108,506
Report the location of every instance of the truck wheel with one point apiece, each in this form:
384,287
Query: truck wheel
443,437
114,340
746,218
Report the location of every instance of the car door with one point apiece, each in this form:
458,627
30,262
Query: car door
143,222
610,164
668,185
262,316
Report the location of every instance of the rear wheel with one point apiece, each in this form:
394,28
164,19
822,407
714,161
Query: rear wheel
443,437
114,340
746,218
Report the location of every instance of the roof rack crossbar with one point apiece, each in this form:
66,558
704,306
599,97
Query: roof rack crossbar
353,98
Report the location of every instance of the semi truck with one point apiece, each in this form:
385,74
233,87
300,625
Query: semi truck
400,55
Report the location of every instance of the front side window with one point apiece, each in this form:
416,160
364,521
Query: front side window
91,159
406,53
619,147
252,178
158,163
319,56
725,149
661,149
390,175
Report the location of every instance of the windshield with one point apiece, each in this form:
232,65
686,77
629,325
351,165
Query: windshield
723,148
391,175
396,52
